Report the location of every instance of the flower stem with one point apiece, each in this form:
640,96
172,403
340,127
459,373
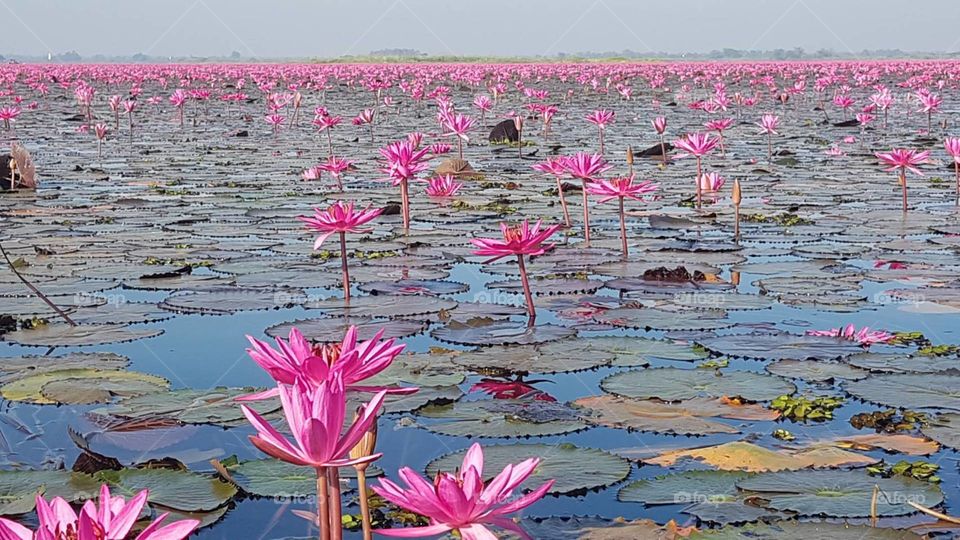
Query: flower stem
344,267
336,519
586,215
903,184
623,230
323,501
566,212
364,505
531,310
699,174
405,202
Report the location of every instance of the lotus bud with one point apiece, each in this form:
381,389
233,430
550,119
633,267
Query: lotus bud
366,446
737,197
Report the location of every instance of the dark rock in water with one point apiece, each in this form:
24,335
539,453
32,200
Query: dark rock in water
783,153
242,133
847,123
8,323
677,275
655,150
391,209
5,171
672,104
505,131
76,118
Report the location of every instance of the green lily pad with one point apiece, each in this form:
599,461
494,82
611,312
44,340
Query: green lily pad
425,369
815,370
18,489
215,406
841,494
176,489
275,478
803,530
62,335
781,346
81,386
691,417
574,469
488,332
909,391
658,319
672,384
500,418
945,429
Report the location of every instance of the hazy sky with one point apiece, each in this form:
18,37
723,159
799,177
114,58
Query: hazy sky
330,28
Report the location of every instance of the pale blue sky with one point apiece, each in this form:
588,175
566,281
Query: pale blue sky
329,28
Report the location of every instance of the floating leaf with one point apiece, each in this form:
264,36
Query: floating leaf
745,456
333,329
382,306
842,494
500,418
684,418
672,384
574,469
62,335
176,489
81,386
486,332
657,319
216,406
815,370
909,391
233,301
803,530
781,346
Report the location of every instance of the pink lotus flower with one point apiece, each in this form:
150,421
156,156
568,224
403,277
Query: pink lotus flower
588,168
952,146
601,118
458,125
660,124
365,117
520,240
556,167
275,120
696,145
298,358
313,173
835,151
769,123
404,163
112,519
712,182
341,219
863,336
8,114
336,166
443,186
902,160
461,501
621,188
720,125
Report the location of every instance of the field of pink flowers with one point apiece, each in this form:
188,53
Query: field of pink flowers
565,301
